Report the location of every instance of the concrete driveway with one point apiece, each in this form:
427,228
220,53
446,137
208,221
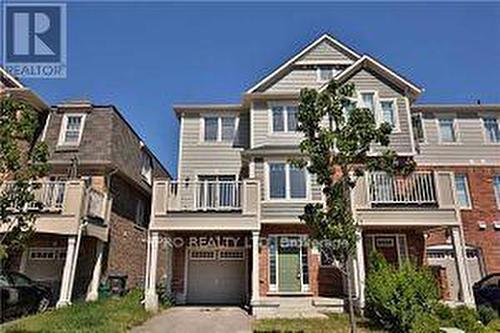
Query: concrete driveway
194,319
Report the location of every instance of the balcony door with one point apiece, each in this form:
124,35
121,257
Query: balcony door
217,192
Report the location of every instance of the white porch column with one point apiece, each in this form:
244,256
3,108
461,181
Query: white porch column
360,269
65,294
151,297
92,293
255,267
460,258
169,249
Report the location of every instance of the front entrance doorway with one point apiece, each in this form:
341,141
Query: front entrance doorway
289,264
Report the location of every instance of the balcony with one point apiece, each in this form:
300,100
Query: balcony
421,199
205,205
417,189
60,206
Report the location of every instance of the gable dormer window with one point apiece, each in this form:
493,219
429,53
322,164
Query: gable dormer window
325,73
219,128
284,118
71,129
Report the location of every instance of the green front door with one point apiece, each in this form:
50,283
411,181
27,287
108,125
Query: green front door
289,269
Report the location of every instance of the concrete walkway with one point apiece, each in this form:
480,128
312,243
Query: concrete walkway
190,319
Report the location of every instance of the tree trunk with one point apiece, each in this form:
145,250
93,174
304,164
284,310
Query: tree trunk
352,319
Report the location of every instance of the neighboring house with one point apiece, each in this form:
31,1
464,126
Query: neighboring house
232,214
95,202
464,140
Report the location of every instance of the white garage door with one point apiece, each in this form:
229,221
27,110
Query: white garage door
45,265
216,276
443,255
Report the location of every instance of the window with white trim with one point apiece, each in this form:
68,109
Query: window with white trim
368,101
71,129
326,73
219,128
287,181
491,129
447,130
284,118
462,191
146,167
388,112
496,185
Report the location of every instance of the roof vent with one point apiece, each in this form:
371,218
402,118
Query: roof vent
481,225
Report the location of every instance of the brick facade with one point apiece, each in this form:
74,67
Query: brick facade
484,208
323,281
127,248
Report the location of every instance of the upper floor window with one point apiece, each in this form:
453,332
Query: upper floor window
447,130
462,191
388,112
146,166
325,73
418,127
286,181
219,128
284,118
368,100
491,129
496,185
71,129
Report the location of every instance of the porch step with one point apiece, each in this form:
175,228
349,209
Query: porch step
296,307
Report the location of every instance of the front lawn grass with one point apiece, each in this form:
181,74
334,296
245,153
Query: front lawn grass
333,324
108,315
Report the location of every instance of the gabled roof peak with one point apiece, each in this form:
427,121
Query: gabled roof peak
350,53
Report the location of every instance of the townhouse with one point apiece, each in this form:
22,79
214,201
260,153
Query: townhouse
94,205
464,140
228,225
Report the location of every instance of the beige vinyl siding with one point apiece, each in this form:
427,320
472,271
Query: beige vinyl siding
259,174
325,51
202,158
262,134
471,148
366,80
285,212
295,80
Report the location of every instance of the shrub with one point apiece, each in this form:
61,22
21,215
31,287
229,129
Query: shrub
425,323
486,314
460,317
395,297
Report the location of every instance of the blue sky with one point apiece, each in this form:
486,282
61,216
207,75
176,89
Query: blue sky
145,57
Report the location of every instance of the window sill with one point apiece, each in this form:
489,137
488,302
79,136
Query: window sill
67,148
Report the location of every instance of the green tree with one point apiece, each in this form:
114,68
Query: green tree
22,160
338,137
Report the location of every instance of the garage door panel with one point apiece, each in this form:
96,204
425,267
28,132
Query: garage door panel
216,281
